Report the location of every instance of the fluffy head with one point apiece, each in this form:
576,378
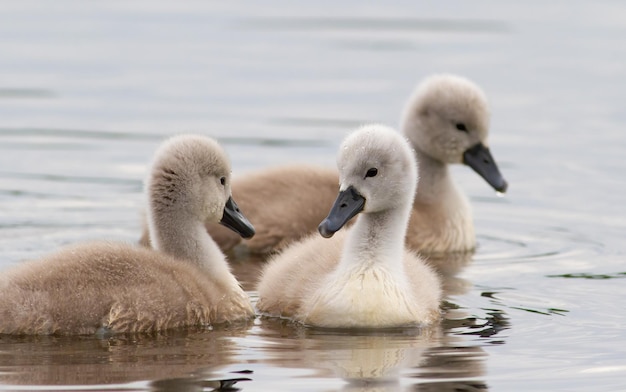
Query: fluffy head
445,116
190,177
379,163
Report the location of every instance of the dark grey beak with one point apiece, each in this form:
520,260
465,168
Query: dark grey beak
349,203
479,158
234,220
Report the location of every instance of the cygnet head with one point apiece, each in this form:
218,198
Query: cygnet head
377,172
190,179
447,118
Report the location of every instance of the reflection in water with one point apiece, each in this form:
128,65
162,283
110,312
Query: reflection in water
371,360
191,361
464,365
490,325
246,267
449,266
88,360
207,382
377,360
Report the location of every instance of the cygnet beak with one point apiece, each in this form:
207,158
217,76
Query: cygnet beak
479,158
349,203
236,221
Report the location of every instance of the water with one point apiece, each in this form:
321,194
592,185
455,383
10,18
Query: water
88,90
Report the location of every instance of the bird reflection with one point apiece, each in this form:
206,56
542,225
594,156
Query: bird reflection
378,360
449,265
89,360
227,382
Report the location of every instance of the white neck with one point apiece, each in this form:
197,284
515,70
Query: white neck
377,238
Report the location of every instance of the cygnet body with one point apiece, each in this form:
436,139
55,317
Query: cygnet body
110,287
447,122
363,277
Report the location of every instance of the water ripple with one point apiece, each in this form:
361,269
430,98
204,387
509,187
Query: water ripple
523,236
78,134
618,275
31,138
8,93
377,24
69,179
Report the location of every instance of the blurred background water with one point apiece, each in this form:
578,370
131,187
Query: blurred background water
89,89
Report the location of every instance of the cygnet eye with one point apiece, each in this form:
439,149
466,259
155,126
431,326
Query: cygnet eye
371,172
461,127
223,180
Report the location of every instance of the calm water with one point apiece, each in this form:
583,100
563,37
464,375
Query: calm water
88,90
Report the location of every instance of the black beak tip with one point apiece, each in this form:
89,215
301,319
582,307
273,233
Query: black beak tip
236,221
503,187
248,233
324,230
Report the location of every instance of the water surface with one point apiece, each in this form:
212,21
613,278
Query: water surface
88,91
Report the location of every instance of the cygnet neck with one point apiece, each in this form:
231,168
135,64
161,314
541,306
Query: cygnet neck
378,237
434,179
185,237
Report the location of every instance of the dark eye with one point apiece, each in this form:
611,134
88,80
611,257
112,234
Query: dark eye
223,180
371,172
461,127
